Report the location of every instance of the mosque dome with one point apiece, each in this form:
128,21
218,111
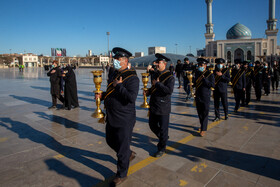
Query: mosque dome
239,31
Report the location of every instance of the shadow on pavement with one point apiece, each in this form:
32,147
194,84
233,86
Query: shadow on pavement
25,131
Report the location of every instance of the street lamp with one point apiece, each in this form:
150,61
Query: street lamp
176,48
108,34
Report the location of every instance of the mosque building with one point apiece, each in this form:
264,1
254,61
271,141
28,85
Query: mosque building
239,43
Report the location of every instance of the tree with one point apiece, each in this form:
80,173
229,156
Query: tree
6,60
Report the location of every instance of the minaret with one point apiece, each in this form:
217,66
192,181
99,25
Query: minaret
209,35
271,31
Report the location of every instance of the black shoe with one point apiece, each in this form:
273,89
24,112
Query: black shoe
235,110
216,119
243,104
226,117
159,154
52,107
132,156
76,107
117,181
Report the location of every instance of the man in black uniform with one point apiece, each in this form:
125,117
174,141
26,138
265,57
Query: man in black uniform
266,79
55,78
249,78
222,79
275,75
187,67
258,80
160,103
179,72
203,81
238,84
119,100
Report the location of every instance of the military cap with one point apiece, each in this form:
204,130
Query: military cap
186,59
161,57
201,61
237,61
245,63
219,61
257,62
120,52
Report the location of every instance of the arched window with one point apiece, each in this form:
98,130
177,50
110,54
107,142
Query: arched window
249,55
229,57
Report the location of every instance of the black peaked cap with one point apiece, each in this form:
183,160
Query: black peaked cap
161,57
120,52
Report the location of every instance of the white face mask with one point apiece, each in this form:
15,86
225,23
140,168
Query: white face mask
117,64
220,66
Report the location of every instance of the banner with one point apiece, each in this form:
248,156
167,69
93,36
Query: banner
58,52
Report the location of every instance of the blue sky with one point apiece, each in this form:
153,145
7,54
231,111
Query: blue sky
38,25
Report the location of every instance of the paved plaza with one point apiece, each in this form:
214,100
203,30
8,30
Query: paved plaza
41,147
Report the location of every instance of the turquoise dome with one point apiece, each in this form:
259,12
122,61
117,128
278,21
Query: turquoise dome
239,31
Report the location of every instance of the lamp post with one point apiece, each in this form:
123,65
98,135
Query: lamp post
176,48
108,34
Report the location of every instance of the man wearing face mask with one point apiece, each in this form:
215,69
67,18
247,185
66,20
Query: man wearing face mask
119,100
266,79
203,81
160,102
238,84
55,78
258,80
222,79
249,78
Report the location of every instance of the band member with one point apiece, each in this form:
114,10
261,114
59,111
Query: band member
275,75
266,79
249,75
222,79
203,81
258,80
160,103
119,100
238,84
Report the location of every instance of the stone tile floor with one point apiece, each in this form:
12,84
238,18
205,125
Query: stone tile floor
41,147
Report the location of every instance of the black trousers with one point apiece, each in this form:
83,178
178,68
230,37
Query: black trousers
276,82
119,139
258,91
203,112
247,94
159,126
55,97
266,87
223,96
239,96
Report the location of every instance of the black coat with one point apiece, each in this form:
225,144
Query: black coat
120,104
55,79
249,76
238,79
258,77
70,88
203,92
275,73
266,75
179,70
160,101
222,81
